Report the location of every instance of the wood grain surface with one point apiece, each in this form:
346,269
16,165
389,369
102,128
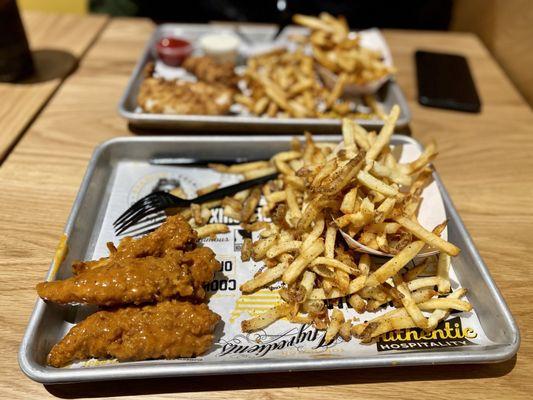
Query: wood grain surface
485,161
57,42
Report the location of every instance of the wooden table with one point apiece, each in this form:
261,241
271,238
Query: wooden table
486,162
57,42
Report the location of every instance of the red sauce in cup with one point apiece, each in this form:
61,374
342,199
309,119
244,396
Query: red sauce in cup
173,51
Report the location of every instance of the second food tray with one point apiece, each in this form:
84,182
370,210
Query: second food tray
387,96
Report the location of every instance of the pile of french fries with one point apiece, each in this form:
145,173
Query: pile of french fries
341,53
357,187
287,84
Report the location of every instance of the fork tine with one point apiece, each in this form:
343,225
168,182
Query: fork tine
144,209
146,224
155,204
136,218
133,212
139,204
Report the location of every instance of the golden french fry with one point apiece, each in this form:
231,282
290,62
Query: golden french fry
440,314
430,238
323,58
324,172
357,284
359,133
260,105
418,283
211,230
338,180
302,261
261,247
197,214
322,270
337,319
229,211
248,209
391,267
265,319
264,278
384,135
244,100
445,303
315,233
421,295
443,268
392,324
295,181
272,109
336,264
429,153
276,94
246,249
287,155
347,134
259,172
276,197
349,201
301,86
321,294
375,184
329,244
395,175
284,247
383,227
385,209
207,189
256,226
357,303
410,305
312,22
179,192
307,283
375,293
233,203
345,331
357,219
337,90
240,168
294,210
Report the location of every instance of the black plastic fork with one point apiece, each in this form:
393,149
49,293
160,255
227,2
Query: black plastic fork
160,201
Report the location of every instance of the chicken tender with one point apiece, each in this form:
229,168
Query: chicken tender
208,70
174,234
169,329
137,280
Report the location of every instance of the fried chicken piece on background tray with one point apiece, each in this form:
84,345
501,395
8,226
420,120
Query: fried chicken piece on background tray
174,234
208,70
169,329
160,96
137,280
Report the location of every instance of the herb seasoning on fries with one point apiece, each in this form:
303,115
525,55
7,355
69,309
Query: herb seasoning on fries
357,187
283,83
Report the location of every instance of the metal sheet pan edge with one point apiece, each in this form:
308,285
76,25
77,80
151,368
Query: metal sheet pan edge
48,375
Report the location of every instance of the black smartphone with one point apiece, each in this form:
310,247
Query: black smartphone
445,81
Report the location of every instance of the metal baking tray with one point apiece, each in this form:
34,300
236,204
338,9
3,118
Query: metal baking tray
388,95
85,224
